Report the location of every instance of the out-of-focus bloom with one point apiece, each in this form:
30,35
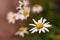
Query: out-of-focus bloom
26,2
22,31
23,4
37,8
11,17
24,13
40,26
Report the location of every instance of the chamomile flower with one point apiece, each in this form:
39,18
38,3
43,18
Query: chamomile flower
37,8
21,31
24,13
40,26
22,4
11,17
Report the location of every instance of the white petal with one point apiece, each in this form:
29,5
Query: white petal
17,33
27,9
9,15
44,20
25,2
17,7
25,28
26,32
10,21
34,31
22,17
40,21
40,31
13,21
21,11
32,24
25,18
20,2
43,30
34,10
46,29
39,9
47,25
34,21
21,34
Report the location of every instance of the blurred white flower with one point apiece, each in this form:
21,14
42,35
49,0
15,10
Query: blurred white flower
24,13
11,17
26,2
22,31
37,8
23,4
40,26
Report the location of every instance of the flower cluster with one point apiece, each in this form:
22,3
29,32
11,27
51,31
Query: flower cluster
23,13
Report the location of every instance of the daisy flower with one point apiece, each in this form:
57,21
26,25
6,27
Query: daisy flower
21,31
24,13
22,4
37,8
41,25
11,17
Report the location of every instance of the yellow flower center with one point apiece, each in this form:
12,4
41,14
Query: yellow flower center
25,13
14,17
39,25
21,29
36,5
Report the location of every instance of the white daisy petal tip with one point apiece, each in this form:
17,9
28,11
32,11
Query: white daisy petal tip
34,21
42,17
44,20
30,29
43,31
16,33
50,25
32,32
32,24
39,31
